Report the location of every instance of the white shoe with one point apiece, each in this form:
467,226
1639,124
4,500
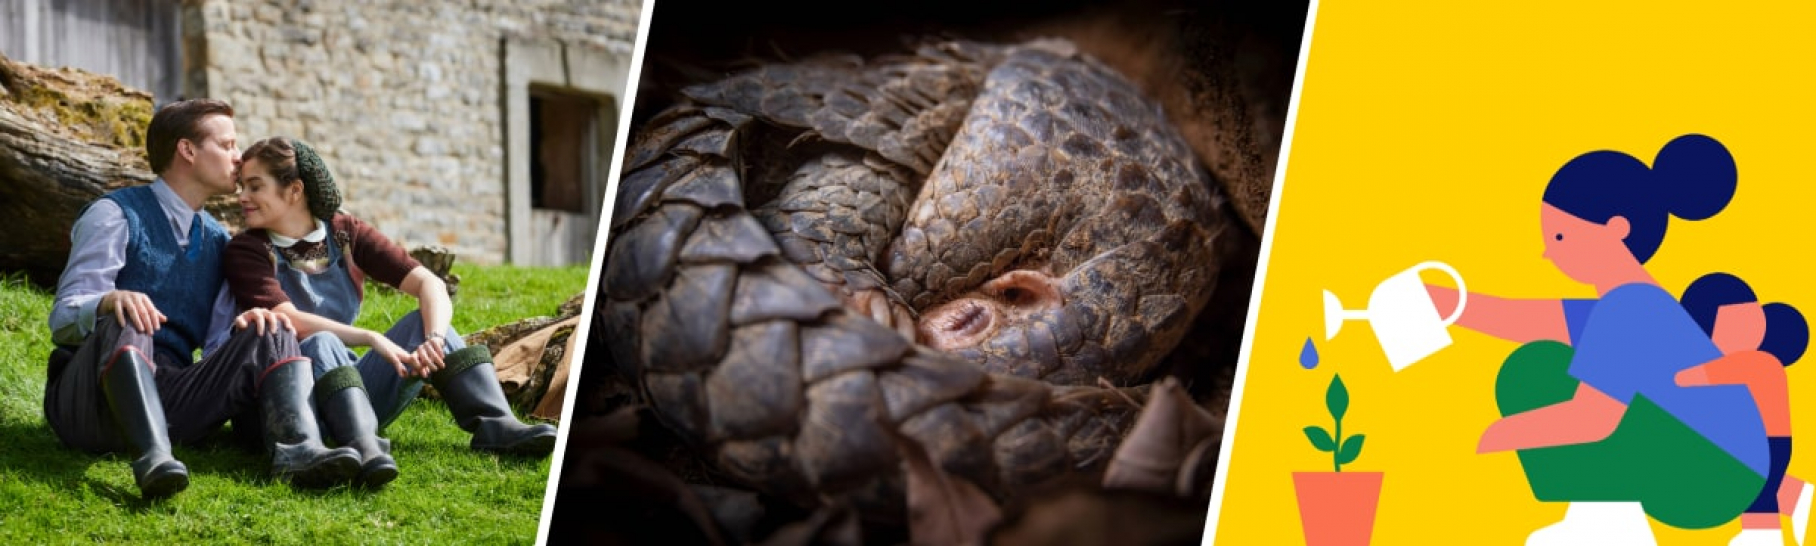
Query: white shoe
1758,537
1599,523
1800,514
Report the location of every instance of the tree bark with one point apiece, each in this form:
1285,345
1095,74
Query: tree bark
66,137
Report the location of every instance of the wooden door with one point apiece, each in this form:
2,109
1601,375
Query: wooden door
138,42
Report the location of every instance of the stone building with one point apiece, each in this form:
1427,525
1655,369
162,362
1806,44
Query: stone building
484,126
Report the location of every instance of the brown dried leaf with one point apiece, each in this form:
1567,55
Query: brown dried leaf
1157,451
556,394
519,363
833,525
1080,513
1199,469
943,509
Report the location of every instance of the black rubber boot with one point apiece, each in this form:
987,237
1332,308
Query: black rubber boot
469,385
340,398
298,454
133,395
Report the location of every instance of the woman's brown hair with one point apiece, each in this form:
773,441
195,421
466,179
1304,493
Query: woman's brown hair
278,156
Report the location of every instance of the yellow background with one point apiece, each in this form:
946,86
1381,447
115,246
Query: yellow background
1427,131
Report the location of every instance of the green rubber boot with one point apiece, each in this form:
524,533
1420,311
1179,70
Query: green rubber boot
469,385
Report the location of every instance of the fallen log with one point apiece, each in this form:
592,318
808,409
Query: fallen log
532,357
66,137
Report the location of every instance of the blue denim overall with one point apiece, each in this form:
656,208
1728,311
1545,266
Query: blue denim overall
331,294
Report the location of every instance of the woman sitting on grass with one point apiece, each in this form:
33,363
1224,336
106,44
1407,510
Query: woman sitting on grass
1587,400
301,257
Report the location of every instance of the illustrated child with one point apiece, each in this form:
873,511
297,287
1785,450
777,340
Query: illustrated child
1757,342
1588,401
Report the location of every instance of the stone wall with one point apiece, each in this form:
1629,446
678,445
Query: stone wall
402,98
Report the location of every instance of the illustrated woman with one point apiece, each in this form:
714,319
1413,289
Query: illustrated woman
301,257
1589,402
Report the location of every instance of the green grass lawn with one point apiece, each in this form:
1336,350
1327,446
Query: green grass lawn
445,492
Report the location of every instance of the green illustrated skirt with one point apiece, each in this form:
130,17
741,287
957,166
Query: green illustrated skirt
1681,479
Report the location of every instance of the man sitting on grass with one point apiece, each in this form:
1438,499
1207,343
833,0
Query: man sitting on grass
139,296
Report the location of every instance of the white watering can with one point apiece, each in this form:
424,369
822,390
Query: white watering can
1404,318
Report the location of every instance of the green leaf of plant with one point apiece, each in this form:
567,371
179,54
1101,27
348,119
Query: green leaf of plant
1352,447
1321,438
1337,398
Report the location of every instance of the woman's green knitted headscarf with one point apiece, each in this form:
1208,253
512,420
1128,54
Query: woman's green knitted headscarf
318,183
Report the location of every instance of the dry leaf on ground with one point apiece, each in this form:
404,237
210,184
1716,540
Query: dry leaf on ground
829,526
1167,445
1082,513
521,368
943,509
556,395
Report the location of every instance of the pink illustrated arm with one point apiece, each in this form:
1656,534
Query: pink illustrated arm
1516,320
1744,368
1588,417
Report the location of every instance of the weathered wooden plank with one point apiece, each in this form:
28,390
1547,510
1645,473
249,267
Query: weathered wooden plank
138,42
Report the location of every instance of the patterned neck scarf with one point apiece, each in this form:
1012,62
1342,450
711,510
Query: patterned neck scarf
308,254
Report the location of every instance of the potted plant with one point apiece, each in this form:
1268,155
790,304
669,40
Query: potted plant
1337,508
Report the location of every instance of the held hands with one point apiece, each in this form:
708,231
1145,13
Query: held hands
262,319
403,361
432,354
426,359
127,305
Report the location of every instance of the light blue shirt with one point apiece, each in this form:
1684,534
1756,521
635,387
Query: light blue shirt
98,252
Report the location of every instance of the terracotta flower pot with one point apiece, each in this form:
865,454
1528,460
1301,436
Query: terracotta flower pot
1337,508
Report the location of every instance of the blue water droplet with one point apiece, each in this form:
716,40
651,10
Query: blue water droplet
1308,356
